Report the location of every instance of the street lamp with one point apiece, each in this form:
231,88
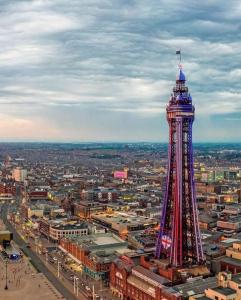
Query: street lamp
58,267
93,292
77,287
74,284
6,274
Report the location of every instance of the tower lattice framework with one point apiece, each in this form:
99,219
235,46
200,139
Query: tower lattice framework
179,238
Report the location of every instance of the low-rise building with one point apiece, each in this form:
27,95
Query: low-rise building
123,223
95,252
136,282
230,224
229,288
56,230
85,209
7,188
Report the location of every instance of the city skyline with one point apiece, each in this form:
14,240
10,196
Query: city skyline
76,72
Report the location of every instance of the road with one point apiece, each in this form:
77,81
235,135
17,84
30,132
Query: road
35,259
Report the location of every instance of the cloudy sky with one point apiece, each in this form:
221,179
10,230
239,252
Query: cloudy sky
103,70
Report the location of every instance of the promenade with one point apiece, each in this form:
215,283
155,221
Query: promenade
24,282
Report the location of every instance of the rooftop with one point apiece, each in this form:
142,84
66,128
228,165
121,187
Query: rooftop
236,278
231,261
4,231
224,291
99,241
123,219
203,298
140,271
141,284
70,226
196,287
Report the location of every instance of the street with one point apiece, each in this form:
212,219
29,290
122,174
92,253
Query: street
36,260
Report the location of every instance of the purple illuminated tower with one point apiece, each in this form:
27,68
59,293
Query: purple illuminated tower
179,238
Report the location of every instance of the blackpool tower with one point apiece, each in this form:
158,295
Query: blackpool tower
179,238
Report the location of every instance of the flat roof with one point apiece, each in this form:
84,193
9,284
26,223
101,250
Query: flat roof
123,219
196,287
224,291
236,278
69,226
102,240
231,240
203,298
231,261
5,231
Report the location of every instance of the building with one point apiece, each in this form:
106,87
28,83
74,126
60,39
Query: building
228,198
196,286
85,209
179,238
122,223
56,230
100,194
7,188
205,188
144,240
207,222
229,288
135,282
5,238
36,195
19,174
35,211
231,224
59,231
121,174
95,252
232,261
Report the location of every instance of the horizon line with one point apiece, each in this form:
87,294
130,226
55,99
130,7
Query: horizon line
108,142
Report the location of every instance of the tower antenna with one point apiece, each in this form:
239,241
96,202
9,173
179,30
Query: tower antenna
178,52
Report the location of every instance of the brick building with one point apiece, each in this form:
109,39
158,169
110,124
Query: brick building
135,282
85,209
7,188
95,252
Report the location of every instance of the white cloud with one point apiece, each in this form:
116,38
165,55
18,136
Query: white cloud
117,57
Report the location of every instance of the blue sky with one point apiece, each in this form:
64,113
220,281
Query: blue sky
91,70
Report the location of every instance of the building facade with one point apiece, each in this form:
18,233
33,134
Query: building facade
131,282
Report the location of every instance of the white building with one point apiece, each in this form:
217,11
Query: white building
56,232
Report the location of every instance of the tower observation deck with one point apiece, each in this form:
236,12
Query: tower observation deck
179,238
